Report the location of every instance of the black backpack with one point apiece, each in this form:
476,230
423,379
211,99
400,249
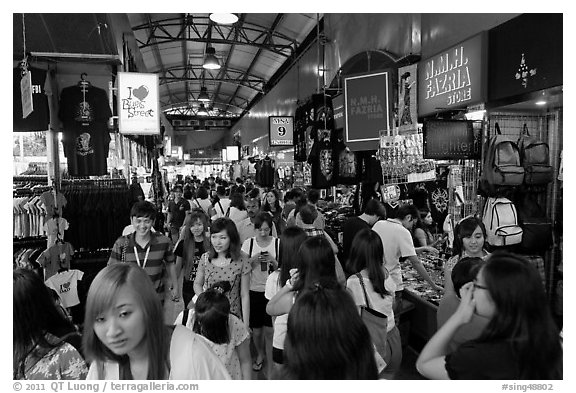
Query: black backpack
535,158
537,227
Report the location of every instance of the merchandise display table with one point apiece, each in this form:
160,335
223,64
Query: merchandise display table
425,300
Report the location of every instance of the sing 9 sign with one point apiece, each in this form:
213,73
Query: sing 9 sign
281,130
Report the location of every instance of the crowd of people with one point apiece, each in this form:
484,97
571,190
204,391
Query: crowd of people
266,288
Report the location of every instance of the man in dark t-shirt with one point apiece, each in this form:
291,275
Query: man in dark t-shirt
177,210
373,211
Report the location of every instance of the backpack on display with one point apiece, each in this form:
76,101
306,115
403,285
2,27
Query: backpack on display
537,227
535,156
502,165
501,222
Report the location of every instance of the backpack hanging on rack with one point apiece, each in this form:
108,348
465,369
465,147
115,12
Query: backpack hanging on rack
537,227
535,156
501,222
502,166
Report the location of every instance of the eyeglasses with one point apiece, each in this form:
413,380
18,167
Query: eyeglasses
478,286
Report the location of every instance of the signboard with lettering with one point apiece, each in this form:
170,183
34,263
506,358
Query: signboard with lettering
368,109
454,78
281,130
451,139
138,103
338,104
525,55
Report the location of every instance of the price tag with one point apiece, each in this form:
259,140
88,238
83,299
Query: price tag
26,94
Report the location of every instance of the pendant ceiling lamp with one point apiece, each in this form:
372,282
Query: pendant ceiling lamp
202,111
224,18
203,96
211,61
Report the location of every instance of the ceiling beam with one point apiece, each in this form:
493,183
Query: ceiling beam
225,68
271,31
158,56
266,38
228,75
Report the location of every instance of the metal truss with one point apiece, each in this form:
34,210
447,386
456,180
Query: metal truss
224,75
201,29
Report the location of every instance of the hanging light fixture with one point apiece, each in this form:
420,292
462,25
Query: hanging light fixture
224,18
203,96
202,111
211,61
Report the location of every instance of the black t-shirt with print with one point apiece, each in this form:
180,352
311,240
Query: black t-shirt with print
84,114
86,149
322,161
198,251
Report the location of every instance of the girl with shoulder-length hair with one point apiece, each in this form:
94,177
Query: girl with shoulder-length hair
44,340
290,240
125,336
521,340
326,338
225,261
193,242
366,262
237,208
226,333
272,205
469,239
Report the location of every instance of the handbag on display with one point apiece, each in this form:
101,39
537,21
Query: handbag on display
375,321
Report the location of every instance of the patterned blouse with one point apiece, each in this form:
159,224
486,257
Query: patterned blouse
226,352
231,273
61,362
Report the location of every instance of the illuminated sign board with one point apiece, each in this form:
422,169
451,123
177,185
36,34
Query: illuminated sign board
454,78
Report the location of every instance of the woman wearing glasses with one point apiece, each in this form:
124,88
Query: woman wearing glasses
521,341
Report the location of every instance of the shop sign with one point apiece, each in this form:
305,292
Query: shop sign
526,55
368,108
453,78
451,140
138,103
281,130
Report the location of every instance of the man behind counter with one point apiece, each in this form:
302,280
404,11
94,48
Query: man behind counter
397,243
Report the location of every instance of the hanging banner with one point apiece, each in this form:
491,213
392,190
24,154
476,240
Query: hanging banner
407,95
368,109
454,78
138,103
281,130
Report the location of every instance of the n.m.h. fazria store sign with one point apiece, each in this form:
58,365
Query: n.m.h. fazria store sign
454,78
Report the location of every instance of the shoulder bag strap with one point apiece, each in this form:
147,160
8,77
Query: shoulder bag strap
227,212
124,247
276,247
221,209
363,289
185,316
251,246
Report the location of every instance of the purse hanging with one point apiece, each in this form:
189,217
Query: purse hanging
375,321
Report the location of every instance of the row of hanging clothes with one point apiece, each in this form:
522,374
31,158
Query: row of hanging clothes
34,208
97,210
